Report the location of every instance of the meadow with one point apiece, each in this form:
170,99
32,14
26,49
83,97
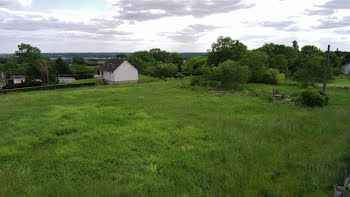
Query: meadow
163,138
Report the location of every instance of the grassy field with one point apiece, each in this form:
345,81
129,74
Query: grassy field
161,139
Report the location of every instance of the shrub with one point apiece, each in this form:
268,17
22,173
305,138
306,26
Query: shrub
232,74
311,98
270,76
180,76
280,79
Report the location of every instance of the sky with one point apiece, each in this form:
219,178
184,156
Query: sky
172,25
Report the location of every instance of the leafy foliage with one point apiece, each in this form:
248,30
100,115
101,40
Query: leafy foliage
257,62
225,49
78,60
61,66
193,64
232,74
311,98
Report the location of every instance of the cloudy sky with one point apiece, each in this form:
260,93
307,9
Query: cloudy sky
173,25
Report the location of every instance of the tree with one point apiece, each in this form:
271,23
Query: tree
311,69
225,49
281,63
79,68
28,54
232,74
257,62
61,66
193,64
78,60
161,56
296,45
178,60
43,66
309,50
141,60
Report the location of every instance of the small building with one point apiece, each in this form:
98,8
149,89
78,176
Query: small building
119,70
64,80
347,68
18,79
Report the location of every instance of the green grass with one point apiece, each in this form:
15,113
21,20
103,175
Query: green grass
160,139
92,80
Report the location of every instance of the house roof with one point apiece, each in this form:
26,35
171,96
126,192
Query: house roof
18,77
112,64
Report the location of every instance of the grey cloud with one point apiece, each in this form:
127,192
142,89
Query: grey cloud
320,12
12,4
278,25
154,9
191,33
27,22
336,4
329,8
333,23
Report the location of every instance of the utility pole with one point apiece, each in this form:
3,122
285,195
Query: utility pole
326,71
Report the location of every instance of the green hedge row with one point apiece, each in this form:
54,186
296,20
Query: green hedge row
79,76
48,87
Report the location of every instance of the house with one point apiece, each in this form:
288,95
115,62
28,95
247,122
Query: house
347,68
119,70
64,80
18,79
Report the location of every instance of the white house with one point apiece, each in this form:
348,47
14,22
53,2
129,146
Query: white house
119,70
347,68
18,79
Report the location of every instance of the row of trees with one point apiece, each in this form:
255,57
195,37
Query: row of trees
270,63
266,64
29,61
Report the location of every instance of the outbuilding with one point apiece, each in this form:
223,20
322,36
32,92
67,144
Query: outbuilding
347,68
119,70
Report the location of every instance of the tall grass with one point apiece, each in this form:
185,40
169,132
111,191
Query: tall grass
159,139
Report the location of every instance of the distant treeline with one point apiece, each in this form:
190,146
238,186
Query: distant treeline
96,55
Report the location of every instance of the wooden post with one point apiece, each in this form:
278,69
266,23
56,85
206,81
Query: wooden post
326,71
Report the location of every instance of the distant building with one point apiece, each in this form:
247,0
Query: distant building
64,80
18,79
347,68
119,70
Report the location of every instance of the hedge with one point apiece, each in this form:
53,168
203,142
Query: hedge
48,87
79,76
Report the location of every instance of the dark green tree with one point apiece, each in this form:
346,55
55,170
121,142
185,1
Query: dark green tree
296,45
257,62
141,60
225,49
78,60
61,66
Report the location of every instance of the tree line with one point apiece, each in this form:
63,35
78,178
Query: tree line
230,60
29,61
227,63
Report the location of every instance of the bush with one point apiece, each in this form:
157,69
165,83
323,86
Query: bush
280,79
79,76
180,76
311,98
232,74
270,76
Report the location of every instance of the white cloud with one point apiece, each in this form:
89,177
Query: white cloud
15,3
